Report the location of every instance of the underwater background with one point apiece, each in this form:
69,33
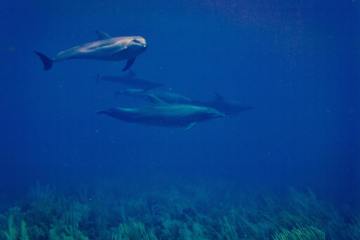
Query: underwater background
287,169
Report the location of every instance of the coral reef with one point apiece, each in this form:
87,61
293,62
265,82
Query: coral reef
183,213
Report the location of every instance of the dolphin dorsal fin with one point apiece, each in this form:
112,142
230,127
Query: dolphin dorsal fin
156,100
102,35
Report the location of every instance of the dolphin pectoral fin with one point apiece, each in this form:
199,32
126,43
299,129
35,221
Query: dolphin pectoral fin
129,63
47,62
155,100
102,35
190,126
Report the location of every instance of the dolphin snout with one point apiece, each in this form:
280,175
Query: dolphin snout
141,41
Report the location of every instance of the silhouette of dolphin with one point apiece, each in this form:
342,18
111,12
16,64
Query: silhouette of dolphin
152,94
106,48
229,108
165,115
130,79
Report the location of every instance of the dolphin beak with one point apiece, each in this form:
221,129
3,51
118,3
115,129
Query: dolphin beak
144,43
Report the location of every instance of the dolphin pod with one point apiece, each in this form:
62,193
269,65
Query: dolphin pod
165,108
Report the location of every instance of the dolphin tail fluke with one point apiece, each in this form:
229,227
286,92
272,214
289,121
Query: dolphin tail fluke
47,62
129,63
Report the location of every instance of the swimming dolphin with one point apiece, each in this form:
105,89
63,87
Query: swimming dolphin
130,79
165,115
154,95
230,108
106,48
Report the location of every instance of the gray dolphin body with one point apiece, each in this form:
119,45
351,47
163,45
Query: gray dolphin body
106,48
154,95
230,108
166,115
130,79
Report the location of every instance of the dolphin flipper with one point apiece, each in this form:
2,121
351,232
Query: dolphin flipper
129,63
47,62
190,126
155,100
102,35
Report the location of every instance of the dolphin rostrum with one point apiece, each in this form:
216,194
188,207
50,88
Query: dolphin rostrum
106,48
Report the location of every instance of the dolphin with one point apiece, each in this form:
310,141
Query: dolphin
130,79
165,115
153,95
106,48
230,108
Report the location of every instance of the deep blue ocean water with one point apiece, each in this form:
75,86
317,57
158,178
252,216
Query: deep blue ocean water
295,62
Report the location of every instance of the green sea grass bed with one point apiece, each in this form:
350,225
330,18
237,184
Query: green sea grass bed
174,213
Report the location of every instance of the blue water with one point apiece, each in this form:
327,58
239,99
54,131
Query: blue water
295,62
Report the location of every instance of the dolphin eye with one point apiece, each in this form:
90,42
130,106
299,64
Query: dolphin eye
136,41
